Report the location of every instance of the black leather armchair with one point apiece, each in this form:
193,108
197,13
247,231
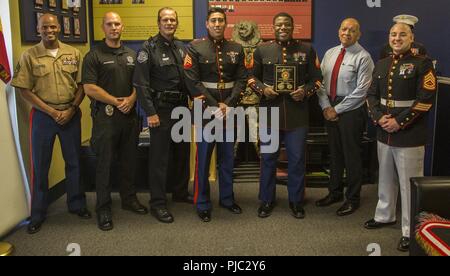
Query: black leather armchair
429,194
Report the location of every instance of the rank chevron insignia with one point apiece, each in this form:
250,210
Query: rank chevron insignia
429,81
187,62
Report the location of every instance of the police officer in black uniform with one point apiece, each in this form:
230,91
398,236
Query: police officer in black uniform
159,81
399,99
293,109
416,47
215,71
107,80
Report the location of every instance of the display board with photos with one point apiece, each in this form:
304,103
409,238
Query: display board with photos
71,16
262,13
140,17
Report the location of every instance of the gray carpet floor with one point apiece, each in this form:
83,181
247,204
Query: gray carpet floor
321,233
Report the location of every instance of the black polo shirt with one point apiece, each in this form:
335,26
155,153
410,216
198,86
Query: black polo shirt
110,68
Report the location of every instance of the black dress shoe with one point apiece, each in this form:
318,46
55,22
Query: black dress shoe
403,245
328,200
372,224
265,210
162,214
104,220
347,209
82,213
34,227
187,199
205,216
235,209
135,207
297,210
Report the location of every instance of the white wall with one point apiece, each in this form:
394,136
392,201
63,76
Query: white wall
13,200
13,191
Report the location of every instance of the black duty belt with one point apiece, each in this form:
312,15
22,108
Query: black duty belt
171,96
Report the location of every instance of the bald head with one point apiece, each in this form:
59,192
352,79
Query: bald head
49,28
112,27
352,21
349,32
111,15
48,18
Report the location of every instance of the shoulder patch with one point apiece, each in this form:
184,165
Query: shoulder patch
142,57
429,81
130,60
17,69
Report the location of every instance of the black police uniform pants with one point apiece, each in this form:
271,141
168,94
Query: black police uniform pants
345,137
168,163
115,138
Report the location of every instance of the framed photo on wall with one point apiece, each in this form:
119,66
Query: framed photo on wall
66,25
38,4
64,5
52,4
76,7
76,27
38,16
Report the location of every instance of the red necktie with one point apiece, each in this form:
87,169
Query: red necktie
335,74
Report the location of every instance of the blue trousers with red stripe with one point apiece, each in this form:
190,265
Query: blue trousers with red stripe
43,133
225,161
295,142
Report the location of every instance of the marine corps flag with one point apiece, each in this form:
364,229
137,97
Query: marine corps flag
5,72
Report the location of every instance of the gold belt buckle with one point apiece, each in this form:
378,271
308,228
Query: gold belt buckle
390,103
221,85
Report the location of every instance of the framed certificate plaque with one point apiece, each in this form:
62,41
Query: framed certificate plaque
285,78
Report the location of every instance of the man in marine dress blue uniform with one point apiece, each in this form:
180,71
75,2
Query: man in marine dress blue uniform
293,110
215,72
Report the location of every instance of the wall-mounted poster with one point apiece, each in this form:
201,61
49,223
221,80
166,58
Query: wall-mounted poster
140,17
32,10
262,13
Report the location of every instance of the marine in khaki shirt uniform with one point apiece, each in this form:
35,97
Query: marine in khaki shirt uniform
54,80
47,77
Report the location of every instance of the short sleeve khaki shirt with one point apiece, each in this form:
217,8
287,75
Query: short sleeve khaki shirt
53,79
